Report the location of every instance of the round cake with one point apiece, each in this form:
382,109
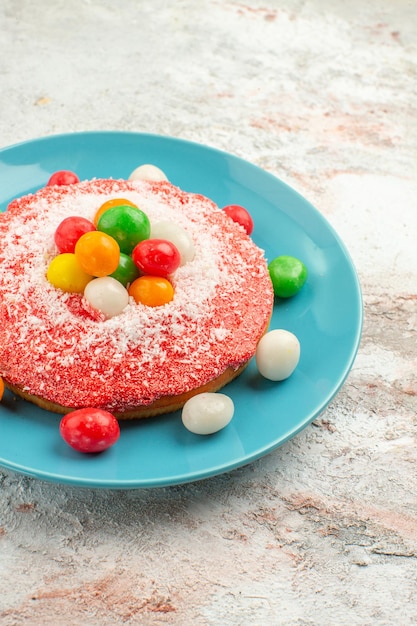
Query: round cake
59,352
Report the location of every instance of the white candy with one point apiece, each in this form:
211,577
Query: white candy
147,172
206,413
177,235
277,354
107,295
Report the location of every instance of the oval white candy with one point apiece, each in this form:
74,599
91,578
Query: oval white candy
107,295
148,172
207,412
177,235
277,354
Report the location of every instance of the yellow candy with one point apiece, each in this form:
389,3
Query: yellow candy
65,272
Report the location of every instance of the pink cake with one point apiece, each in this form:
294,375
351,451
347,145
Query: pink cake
60,353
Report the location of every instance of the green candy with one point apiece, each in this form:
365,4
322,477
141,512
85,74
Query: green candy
126,271
288,275
126,224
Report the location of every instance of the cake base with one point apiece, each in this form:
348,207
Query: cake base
166,404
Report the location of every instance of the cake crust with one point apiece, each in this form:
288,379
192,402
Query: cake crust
166,404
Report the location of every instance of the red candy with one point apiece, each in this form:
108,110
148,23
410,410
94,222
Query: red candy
63,177
156,257
241,216
89,430
70,230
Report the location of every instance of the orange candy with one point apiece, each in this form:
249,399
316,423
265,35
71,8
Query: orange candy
151,290
1,388
109,205
97,253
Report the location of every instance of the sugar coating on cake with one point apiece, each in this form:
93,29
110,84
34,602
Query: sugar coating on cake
54,345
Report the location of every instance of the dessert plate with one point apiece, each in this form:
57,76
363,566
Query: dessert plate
326,316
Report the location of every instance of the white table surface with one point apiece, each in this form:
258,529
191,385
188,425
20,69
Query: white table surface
323,94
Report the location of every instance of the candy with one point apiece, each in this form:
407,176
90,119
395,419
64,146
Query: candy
107,295
156,257
97,253
65,272
70,230
126,224
178,236
1,389
207,413
109,205
89,430
277,354
240,215
151,290
288,275
147,172
126,271
63,177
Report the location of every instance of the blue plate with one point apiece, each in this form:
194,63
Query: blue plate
326,316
